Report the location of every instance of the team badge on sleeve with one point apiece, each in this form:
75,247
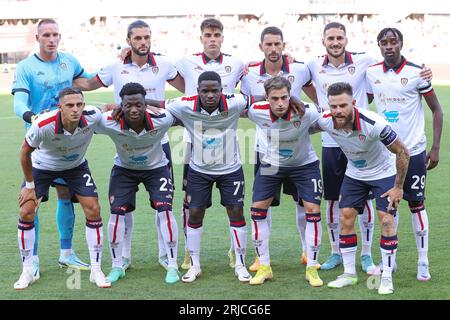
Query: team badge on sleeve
387,135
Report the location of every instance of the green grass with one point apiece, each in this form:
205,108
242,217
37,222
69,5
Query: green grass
146,278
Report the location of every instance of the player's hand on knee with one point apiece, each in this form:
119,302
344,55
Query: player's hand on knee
26,195
394,196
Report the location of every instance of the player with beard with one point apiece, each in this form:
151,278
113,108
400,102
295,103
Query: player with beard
152,71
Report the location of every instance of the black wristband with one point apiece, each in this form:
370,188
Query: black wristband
27,116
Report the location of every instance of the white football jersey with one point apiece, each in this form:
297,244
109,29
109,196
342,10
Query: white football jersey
215,148
253,84
287,139
365,146
138,151
56,148
152,76
228,67
398,96
352,71
191,67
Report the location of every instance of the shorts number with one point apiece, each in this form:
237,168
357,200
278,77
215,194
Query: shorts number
164,184
418,179
89,180
237,184
317,185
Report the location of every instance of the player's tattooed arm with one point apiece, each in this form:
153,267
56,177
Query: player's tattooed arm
432,158
395,194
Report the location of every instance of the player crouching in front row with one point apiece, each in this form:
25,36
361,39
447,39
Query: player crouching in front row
369,144
55,147
289,157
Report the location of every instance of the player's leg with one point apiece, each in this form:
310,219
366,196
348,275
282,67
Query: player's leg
123,184
388,240
185,208
414,193
158,183
82,185
199,198
258,156
65,217
127,240
232,192
266,192
26,232
334,164
162,255
289,188
353,195
366,227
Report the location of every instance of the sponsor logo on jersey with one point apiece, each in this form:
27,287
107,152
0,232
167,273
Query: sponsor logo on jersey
155,69
359,163
351,70
227,69
71,157
391,116
124,72
404,81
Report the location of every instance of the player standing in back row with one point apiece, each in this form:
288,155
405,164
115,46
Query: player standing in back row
398,89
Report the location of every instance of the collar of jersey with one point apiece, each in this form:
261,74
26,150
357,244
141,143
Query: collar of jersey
286,116
206,59
223,105
148,123
348,59
397,68
59,125
150,59
284,66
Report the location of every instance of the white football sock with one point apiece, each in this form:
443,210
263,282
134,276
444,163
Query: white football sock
194,236
313,235
239,237
421,231
26,236
116,233
169,232
366,226
261,235
388,248
333,224
301,224
348,245
94,238
129,222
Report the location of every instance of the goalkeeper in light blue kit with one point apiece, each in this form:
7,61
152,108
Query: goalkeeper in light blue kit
37,82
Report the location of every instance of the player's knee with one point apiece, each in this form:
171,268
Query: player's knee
26,213
346,218
416,206
313,217
92,210
163,207
235,212
196,216
258,214
387,221
311,207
